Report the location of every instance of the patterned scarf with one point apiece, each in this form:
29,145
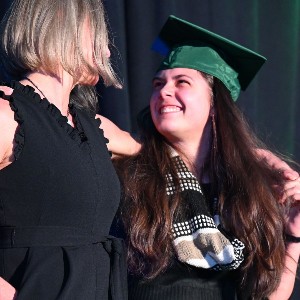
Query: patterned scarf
199,239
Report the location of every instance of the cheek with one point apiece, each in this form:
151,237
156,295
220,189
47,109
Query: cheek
199,102
153,111
152,104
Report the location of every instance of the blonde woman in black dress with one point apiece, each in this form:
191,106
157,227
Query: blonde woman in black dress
58,189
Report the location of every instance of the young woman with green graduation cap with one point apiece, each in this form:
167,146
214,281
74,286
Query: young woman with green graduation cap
201,215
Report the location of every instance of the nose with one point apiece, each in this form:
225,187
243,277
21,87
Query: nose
166,91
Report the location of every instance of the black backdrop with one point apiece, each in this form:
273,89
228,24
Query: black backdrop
272,28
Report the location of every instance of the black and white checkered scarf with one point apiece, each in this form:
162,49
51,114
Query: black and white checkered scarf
199,239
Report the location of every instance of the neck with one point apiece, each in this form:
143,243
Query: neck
56,89
195,153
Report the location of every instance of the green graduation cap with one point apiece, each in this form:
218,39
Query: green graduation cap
187,45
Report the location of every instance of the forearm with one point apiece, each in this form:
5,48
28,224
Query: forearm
287,281
120,142
7,292
123,144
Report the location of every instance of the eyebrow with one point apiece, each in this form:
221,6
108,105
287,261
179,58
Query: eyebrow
156,78
174,77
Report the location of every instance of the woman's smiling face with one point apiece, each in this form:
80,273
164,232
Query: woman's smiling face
180,103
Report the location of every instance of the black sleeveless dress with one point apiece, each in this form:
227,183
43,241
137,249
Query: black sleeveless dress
57,202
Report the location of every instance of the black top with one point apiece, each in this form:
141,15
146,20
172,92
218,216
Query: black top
57,201
183,282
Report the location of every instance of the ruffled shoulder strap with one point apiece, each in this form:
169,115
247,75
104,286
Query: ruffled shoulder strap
19,135
88,123
28,94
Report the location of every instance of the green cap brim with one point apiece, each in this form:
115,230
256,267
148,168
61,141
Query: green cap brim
213,55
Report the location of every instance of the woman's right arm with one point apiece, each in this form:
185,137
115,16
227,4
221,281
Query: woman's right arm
8,128
7,292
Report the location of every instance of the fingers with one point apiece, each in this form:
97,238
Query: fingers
292,190
273,160
278,164
293,194
289,174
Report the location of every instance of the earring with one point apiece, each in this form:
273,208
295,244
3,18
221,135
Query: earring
214,145
214,132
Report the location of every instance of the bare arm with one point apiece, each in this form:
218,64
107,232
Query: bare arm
7,129
292,191
7,292
288,277
285,288
120,141
276,163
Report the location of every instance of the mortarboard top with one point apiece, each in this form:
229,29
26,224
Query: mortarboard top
190,46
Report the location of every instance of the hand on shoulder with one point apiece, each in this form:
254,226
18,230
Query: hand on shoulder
278,164
292,193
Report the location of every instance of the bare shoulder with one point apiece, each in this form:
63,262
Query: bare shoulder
8,128
7,90
5,109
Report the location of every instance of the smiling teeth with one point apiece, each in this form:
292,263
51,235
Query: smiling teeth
169,109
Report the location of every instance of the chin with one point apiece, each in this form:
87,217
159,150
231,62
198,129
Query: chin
168,130
95,81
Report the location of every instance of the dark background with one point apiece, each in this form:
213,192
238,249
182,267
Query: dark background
271,28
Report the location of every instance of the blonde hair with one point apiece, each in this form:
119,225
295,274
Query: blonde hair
42,35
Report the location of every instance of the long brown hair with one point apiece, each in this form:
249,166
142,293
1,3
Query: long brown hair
249,206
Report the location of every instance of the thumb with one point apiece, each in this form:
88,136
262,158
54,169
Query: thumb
290,174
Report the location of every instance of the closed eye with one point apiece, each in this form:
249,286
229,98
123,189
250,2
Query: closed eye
157,83
183,82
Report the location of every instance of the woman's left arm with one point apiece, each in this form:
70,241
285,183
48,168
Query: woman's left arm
120,141
286,286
